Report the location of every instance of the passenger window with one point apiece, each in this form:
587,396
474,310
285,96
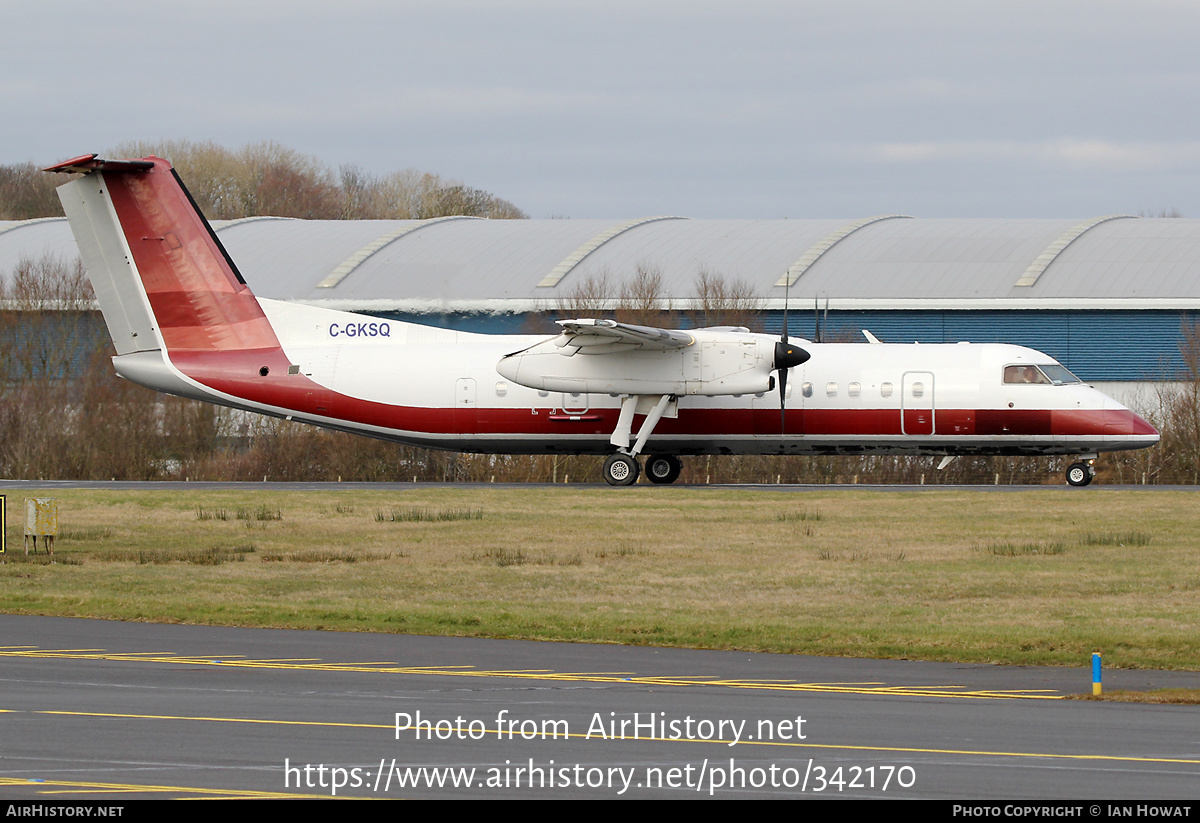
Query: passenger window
501,388
831,389
885,389
918,389
854,389
806,389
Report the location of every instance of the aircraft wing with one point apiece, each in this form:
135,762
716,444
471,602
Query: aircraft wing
609,336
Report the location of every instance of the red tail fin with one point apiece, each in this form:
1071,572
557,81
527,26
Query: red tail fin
198,299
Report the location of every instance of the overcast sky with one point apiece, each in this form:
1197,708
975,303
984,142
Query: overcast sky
630,109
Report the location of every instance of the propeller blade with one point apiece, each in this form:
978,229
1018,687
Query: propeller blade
786,356
783,373
786,290
783,341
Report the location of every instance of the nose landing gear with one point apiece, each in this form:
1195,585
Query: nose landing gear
1081,473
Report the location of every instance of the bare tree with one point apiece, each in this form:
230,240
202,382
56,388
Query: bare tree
591,297
48,322
26,193
444,201
1179,422
500,209
268,178
644,299
725,303
641,299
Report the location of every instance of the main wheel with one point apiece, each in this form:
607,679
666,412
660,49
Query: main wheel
621,470
663,468
1079,474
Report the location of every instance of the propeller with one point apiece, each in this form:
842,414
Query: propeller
786,356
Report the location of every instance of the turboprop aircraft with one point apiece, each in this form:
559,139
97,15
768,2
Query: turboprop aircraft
184,321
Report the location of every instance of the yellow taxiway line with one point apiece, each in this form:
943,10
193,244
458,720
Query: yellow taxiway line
499,734
313,664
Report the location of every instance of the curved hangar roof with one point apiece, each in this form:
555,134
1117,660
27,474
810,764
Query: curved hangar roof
890,261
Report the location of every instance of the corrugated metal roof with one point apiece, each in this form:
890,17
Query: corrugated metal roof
32,239
955,263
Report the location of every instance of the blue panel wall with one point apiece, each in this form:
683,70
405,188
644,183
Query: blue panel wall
1096,345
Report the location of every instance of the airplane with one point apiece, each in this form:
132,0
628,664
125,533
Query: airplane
184,321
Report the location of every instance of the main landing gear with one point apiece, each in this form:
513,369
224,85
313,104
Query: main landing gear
663,468
621,469
1081,473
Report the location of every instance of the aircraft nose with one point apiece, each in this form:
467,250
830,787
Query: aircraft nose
1123,423
1140,426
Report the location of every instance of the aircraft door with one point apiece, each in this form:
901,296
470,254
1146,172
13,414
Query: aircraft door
916,403
466,411
320,398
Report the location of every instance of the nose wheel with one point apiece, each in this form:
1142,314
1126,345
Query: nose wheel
621,470
1080,474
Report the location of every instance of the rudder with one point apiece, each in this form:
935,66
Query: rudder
163,279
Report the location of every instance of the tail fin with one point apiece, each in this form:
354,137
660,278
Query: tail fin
163,279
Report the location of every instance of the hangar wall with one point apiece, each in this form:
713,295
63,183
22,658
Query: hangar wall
1106,295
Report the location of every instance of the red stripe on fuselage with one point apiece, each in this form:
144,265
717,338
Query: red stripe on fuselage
237,373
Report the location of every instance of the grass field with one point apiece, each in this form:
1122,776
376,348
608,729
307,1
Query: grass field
1045,576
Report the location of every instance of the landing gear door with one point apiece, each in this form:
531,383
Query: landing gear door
916,403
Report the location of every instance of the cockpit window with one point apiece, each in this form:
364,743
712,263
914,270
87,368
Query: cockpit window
1059,374
1025,374
1046,374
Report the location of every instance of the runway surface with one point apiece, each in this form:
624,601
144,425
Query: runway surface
106,710
9,486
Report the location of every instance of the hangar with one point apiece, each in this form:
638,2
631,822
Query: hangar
1108,296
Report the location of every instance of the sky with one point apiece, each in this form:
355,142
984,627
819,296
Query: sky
616,109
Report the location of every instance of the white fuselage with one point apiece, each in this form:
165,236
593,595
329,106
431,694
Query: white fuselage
446,392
